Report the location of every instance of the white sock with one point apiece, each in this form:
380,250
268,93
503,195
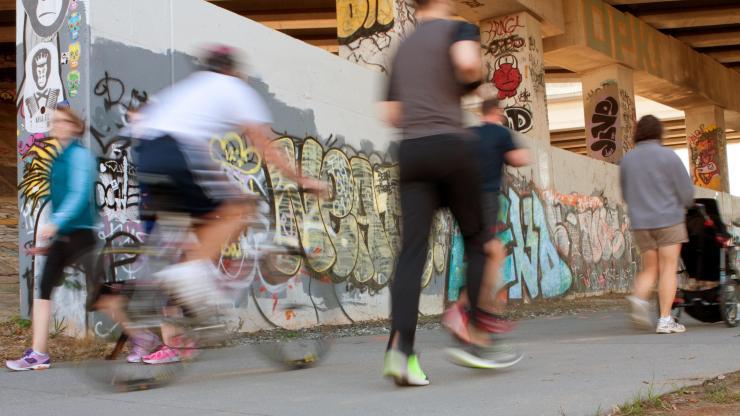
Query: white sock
666,319
40,353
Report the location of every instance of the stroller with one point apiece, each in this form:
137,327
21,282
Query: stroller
708,278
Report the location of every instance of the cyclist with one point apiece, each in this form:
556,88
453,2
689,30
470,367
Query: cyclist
176,172
72,185
496,146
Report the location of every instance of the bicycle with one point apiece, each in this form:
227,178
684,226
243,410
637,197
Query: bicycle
200,327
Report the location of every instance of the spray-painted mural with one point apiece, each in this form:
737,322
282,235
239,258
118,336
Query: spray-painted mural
349,240
610,119
559,243
50,70
369,31
704,156
512,55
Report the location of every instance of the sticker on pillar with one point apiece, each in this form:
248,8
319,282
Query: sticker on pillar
74,55
74,26
64,59
73,83
42,88
46,16
506,76
73,5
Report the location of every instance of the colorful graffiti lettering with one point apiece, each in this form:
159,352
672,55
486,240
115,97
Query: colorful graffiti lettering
557,244
353,235
356,18
369,30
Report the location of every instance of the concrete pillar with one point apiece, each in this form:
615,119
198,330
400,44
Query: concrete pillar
705,136
369,31
514,64
609,110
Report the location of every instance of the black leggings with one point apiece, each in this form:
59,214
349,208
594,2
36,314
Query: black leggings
64,251
436,171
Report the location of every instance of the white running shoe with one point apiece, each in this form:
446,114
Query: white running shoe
640,315
669,327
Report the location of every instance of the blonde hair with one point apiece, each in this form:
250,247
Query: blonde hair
74,118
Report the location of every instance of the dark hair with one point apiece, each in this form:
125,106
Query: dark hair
422,3
74,118
648,128
220,58
489,105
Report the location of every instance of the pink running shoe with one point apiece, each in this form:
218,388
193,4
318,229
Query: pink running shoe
456,319
141,346
164,355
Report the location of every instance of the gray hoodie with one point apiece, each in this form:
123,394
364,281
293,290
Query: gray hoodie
655,186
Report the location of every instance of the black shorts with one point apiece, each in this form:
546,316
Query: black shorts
66,250
489,206
167,182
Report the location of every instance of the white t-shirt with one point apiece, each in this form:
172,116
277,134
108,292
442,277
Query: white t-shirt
203,105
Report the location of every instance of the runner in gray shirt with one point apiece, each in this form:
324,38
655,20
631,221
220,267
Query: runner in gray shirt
433,69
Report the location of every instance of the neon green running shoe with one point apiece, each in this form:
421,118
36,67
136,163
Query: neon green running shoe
404,370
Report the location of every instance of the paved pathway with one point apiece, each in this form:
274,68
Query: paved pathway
573,366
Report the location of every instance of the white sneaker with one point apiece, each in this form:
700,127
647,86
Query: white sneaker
669,327
640,315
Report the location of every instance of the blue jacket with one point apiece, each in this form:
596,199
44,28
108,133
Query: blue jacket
73,176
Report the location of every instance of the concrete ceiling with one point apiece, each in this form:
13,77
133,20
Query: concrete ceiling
711,27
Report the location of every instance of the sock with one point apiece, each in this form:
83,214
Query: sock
666,319
40,353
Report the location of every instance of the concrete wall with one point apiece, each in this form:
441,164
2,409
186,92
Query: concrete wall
566,228
324,111
564,225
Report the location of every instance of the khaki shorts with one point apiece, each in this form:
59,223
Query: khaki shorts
660,237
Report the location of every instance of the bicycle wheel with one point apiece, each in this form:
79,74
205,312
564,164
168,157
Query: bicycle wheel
297,353
137,302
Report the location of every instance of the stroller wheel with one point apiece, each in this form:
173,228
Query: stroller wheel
728,300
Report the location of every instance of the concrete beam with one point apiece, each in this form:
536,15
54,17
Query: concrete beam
726,57
291,21
548,12
619,2
711,39
708,16
6,5
666,70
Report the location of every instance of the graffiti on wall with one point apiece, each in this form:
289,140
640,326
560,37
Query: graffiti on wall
559,243
704,156
350,238
370,30
610,118
514,68
41,90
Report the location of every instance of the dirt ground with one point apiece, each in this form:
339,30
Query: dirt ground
716,397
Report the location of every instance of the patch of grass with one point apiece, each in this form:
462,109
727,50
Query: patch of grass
635,407
718,392
59,328
21,323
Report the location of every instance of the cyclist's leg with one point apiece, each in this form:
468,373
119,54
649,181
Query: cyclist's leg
221,226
